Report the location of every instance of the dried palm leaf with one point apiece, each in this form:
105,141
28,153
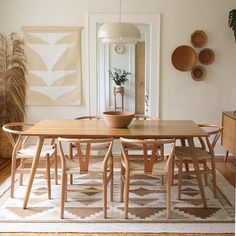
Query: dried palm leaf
12,79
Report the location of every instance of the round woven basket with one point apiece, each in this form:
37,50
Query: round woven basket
198,73
198,38
184,58
206,56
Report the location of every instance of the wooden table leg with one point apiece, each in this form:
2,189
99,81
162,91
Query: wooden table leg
33,170
197,171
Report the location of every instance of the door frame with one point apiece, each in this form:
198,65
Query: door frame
153,20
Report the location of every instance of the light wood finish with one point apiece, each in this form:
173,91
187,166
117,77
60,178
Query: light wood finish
132,146
203,154
139,77
119,92
119,234
149,163
72,146
117,119
97,129
138,116
229,133
88,118
25,153
81,164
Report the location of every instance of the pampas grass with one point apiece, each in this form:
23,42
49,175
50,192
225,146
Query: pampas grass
12,79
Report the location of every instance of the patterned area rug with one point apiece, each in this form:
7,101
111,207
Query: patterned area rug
143,206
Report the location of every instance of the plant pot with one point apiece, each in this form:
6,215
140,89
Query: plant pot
119,89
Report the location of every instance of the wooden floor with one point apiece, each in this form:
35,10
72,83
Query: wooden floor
228,170
118,234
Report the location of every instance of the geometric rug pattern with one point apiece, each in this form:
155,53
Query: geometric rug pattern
144,206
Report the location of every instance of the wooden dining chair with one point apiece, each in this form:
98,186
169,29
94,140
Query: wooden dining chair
133,146
25,152
82,163
204,154
72,146
148,164
135,149
144,117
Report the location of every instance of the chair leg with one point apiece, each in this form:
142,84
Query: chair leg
48,175
187,169
66,184
122,174
214,177
22,174
55,166
71,156
63,192
168,197
205,172
112,179
172,174
13,173
126,194
105,195
162,180
180,178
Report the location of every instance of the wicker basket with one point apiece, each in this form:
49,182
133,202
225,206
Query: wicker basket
198,38
5,145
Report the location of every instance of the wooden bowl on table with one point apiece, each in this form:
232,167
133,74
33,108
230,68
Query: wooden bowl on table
117,119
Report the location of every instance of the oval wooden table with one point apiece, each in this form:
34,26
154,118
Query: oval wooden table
179,129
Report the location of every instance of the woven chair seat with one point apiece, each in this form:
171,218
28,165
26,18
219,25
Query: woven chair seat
29,152
184,152
74,165
159,167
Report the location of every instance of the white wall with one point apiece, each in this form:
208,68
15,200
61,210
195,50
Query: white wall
181,97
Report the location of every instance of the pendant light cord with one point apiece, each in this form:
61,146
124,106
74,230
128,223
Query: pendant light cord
120,12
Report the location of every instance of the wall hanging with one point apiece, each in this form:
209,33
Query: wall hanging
198,38
185,57
54,65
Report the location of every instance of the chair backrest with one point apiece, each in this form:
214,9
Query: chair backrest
84,147
145,117
14,132
214,131
88,118
150,148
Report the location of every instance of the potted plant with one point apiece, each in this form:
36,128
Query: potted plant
232,21
119,76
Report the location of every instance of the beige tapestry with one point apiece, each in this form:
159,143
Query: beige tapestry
54,65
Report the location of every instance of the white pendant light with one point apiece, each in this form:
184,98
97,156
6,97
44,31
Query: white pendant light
119,32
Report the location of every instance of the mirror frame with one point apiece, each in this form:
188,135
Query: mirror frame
152,19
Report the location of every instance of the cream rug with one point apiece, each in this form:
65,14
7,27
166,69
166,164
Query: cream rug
147,213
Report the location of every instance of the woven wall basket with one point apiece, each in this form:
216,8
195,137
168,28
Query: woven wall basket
5,146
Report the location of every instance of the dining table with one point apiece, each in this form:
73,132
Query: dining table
138,129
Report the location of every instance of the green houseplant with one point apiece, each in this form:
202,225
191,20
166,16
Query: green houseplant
12,84
232,21
119,76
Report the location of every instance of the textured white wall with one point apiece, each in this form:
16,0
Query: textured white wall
180,96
